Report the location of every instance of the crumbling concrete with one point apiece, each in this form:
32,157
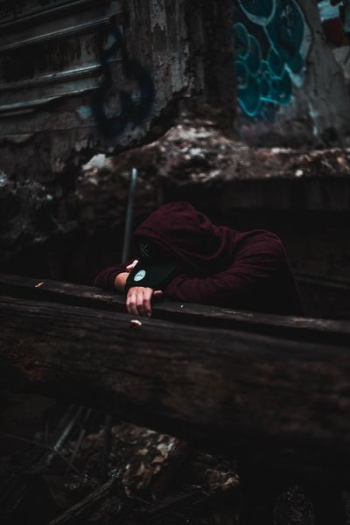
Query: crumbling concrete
152,85
71,224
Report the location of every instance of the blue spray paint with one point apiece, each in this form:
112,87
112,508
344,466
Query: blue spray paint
272,39
133,110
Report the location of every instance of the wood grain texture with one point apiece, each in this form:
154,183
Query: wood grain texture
212,385
290,327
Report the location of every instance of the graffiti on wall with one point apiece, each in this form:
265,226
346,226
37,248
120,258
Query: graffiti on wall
134,104
272,42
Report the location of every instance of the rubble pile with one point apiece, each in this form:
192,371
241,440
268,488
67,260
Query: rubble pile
150,477
59,477
62,224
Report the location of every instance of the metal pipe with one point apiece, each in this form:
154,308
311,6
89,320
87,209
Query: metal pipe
129,215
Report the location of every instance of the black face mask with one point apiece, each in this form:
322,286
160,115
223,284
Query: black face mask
155,268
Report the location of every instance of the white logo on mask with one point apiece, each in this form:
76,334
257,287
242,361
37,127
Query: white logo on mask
140,275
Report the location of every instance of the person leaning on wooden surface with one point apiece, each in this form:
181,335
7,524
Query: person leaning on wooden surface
184,257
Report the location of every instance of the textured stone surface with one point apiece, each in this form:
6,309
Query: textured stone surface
71,223
142,60
162,97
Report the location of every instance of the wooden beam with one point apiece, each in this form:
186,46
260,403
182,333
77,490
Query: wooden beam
214,385
291,327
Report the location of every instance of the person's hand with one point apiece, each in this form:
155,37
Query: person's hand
138,300
131,266
120,280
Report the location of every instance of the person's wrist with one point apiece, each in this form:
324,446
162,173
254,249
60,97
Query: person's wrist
120,281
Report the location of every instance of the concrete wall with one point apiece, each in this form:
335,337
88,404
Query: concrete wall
105,75
292,64
79,77
112,76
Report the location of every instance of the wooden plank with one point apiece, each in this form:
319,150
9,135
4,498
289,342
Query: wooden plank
328,297
223,387
285,326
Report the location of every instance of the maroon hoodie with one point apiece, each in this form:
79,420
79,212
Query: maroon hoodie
218,265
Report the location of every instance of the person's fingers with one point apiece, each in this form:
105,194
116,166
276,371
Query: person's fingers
140,301
132,265
131,301
128,300
158,293
143,301
134,307
147,301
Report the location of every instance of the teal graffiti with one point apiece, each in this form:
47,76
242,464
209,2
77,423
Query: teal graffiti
258,11
272,41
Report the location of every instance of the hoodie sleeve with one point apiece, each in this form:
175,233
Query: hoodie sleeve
254,279
105,278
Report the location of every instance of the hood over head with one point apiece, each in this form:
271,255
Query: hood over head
189,237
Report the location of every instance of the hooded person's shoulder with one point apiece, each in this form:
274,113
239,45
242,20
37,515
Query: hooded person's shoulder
260,242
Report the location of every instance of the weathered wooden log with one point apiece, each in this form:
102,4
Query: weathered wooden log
325,297
290,327
221,386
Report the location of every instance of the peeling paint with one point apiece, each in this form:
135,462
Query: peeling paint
159,14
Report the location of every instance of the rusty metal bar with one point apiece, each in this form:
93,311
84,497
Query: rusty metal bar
53,78
76,30
129,215
43,14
